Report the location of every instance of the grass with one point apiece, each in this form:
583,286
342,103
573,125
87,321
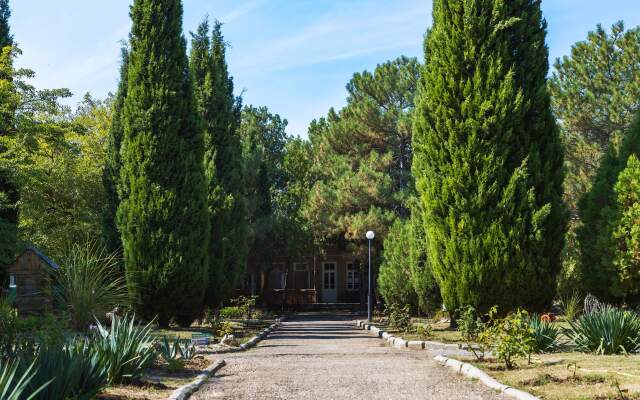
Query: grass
572,376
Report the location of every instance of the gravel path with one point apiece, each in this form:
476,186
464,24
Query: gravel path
323,356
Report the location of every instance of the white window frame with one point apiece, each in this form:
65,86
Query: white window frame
12,280
279,267
353,272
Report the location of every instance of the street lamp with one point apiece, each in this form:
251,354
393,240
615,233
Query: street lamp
370,236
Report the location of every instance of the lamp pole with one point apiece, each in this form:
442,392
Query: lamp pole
370,236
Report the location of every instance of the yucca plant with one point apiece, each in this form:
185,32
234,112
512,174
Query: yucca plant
125,347
15,385
606,330
90,285
546,336
72,371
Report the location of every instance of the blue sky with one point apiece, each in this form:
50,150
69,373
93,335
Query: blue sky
294,56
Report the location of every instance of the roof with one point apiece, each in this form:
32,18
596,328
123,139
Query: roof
44,258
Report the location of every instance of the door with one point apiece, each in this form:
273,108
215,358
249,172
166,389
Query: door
329,278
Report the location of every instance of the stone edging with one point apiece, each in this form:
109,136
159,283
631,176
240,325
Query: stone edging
184,392
459,367
253,341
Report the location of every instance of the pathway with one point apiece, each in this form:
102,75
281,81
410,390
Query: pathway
323,356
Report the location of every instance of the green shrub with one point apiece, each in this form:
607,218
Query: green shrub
509,337
572,306
233,312
126,347
23,334
72,371
223,328
606,330
13,386
91,284
471,326
243,306
423,330
546,336
400,317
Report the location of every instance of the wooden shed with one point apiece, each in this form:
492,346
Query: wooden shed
30,282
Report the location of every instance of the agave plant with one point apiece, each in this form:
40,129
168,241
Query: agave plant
171,353
546,336
125,347
15,386
90,284
606,330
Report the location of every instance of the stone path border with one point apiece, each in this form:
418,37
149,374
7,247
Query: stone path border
184,392
459,367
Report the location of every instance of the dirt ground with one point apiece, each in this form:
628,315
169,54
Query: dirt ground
323,356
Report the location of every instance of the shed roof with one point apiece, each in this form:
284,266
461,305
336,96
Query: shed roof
44,258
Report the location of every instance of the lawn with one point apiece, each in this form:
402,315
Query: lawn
572,376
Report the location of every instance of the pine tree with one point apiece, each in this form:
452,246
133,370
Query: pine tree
220,114
111,174
488,158
601,213
163,215
9,192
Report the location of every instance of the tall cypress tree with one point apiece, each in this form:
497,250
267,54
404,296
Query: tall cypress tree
111,174
488,159
163,216
9,193
220,114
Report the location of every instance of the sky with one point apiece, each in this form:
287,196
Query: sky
293,56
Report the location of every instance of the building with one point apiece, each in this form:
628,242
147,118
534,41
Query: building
328,278
30,282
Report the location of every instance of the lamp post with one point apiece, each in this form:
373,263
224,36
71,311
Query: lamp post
370,236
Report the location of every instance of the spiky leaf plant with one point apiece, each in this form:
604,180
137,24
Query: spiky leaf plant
546,335
14,385
607,330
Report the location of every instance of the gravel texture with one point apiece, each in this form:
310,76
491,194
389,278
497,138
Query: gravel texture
324,356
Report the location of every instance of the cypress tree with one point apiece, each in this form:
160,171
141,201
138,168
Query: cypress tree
220,114
163,216
601,213
111,174
488,158
9,192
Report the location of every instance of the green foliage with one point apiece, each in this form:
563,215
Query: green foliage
395,272
399,316
546,335
422,279
124,347
9,101
488,156
13,386
595,93
606,330
244,305
162,216
423,330
21,334
471,328
59,157
606,263
509,337
113,162
232,312
72,371
175,354
363,156
571,306
223,328
625,229
90,284
220,114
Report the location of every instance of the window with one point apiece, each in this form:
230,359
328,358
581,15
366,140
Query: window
353,277
301,276
12,281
